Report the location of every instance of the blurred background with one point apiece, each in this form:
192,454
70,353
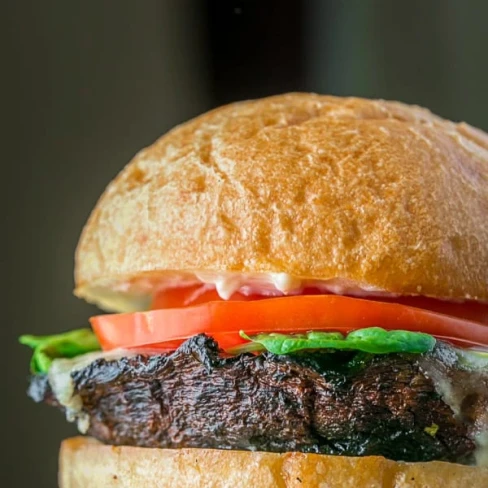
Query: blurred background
90,83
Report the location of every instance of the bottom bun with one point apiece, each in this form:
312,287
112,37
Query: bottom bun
86,463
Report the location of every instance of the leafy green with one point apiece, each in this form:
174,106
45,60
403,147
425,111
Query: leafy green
373,340
66,345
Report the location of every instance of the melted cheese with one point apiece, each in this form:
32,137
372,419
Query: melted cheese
62,385
445,388
481,453
446,391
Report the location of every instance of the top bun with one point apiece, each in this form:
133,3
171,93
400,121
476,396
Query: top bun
380,196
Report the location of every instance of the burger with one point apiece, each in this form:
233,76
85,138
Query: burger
297,295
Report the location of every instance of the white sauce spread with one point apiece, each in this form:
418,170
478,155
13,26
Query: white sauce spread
272,284
136,295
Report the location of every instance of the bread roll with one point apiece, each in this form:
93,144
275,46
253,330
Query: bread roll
380,196
85,462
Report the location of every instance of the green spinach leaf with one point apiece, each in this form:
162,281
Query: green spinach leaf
66,345
373,340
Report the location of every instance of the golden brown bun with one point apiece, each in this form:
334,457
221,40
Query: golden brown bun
85,463
378,193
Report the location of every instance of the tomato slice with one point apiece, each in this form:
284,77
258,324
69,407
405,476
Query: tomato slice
474,311
195,295
224,319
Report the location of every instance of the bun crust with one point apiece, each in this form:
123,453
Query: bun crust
85,462
377,193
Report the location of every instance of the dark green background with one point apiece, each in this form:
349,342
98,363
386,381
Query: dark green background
87,84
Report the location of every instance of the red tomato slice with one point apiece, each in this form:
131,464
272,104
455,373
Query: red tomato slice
197,294
224,319
474,311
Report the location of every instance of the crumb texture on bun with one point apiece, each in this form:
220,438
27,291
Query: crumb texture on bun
85,462
377,193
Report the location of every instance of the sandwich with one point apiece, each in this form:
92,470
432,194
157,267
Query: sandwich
296,294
